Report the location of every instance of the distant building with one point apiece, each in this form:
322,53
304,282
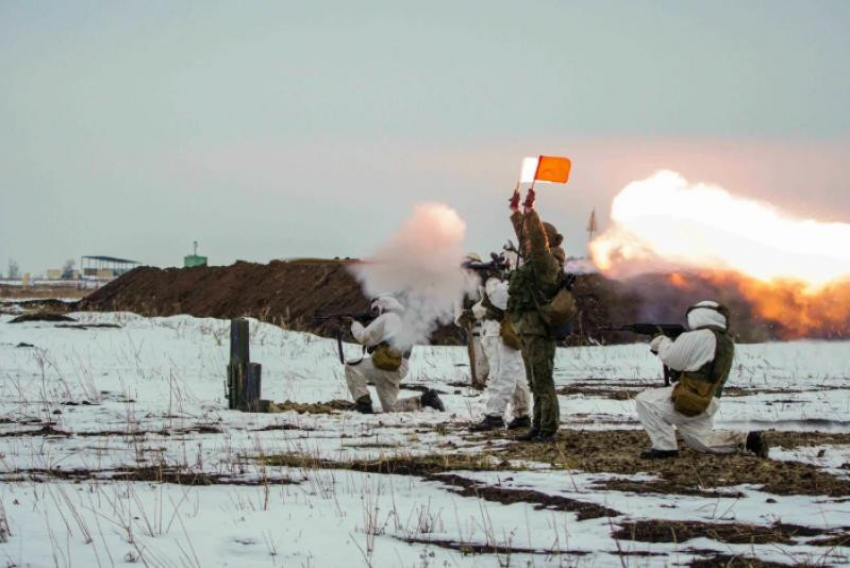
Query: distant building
194,259
54,274
105,267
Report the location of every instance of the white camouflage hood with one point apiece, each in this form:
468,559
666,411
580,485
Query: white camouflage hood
704,314
387,304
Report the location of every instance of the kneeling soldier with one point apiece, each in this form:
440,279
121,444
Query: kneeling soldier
385,367
701,360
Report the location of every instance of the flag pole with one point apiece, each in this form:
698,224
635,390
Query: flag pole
536,171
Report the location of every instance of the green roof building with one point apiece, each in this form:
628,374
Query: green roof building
194,259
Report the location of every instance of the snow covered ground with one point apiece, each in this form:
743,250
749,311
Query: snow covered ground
116,447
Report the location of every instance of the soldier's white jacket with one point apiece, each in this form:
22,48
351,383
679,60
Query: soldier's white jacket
385,327
692,349
497,292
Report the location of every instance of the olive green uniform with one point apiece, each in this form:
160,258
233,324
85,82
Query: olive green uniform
532,284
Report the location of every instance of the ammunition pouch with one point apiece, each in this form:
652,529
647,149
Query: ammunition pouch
691,396
386,358
695,390
509,335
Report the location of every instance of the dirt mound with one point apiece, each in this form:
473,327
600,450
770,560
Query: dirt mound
290,293
285,293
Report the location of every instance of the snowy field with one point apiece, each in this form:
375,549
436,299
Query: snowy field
117,448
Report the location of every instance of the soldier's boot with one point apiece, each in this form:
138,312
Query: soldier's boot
757,444
654,454
363,405
519,422
489,423
430,398
545,437
532,433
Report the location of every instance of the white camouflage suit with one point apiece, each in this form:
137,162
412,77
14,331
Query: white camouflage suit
359,375
654,407
507,381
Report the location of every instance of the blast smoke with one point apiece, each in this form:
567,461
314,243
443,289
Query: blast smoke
664,223
420,265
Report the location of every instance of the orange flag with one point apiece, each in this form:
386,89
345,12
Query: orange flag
553,169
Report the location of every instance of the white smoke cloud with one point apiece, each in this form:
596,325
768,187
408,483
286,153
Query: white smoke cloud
420,265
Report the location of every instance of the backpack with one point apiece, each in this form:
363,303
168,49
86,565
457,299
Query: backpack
559,312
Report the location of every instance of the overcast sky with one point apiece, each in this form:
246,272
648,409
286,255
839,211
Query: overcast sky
280,129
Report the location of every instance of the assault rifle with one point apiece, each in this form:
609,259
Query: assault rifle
671,330
363,317
497,263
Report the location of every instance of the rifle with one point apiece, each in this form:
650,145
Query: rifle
671,330
497,263
363,317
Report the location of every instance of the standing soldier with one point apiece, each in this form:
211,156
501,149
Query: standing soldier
507,382
479,368
386,366
700,361
532,285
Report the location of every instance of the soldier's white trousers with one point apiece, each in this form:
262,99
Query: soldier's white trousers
660,420
386,384
507,382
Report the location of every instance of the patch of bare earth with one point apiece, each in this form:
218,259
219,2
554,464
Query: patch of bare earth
470,488
729,561
494,548
153,473
618,451
626,390
48,430
312,407
729,533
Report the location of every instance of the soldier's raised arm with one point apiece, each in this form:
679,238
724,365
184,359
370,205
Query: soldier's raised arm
516,221
545,264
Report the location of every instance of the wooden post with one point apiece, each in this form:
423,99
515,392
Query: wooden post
239,359
239,340
251,388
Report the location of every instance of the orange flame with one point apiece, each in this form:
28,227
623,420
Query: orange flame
789,309
794,272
